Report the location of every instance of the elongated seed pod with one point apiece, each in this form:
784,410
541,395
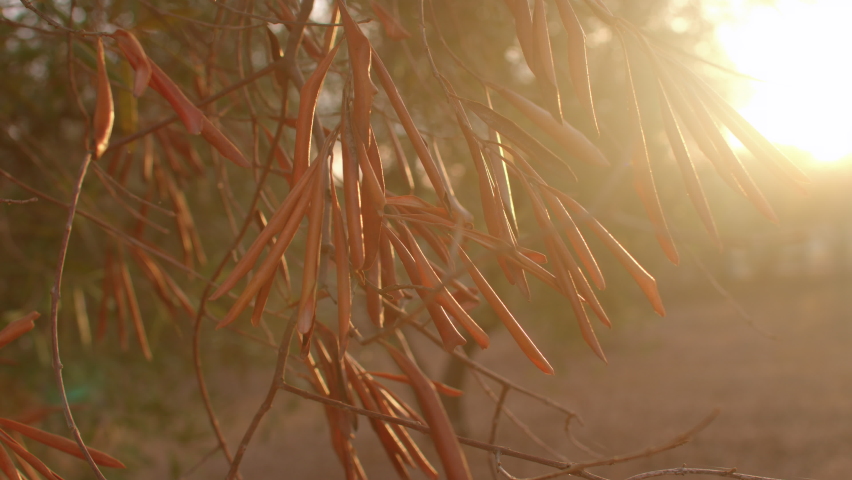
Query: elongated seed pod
360,58
267,268
442,297
279,220
104,109
260,301
687,168
441,388
392,25
17,328
399,156
450,337
516,134
28,457
313,244
307,108
569,138
6,465
60,443
222,144
546,74
190,115
646,282
438,181
344,286
352,197
576,238
524,30
441,430
135,313
578,64
643,176
135,55
762,148
518,334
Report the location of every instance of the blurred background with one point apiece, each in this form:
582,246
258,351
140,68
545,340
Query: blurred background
760,328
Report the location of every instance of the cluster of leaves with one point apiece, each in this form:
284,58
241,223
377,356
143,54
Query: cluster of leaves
371,234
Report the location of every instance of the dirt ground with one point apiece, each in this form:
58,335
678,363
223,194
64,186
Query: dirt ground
783,384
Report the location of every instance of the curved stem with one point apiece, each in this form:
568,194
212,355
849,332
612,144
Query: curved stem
54,315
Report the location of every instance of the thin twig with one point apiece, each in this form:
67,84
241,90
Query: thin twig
277,377
681,471
53,23
422,428
200,462
54,315
18,202
495,420
517,421
648,452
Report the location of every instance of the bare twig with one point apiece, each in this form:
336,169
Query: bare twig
277,378
648,452
12,201
681,471
54,315
422,428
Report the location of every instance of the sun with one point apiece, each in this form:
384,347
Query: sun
802,52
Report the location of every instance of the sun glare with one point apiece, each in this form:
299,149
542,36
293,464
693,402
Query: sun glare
802,52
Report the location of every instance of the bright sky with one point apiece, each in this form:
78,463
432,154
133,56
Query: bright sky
802,49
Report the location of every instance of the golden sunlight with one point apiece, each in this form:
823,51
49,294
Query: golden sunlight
802,52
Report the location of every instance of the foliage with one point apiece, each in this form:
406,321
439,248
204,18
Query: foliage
392,173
